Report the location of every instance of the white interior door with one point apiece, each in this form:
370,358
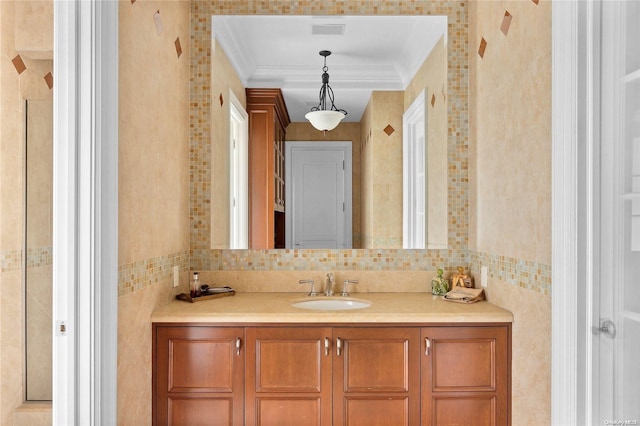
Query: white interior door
616,319
318,193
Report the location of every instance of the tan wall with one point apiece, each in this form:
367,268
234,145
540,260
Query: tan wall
153,185
344,132
224,79
381,178
510,178
432,76
25,27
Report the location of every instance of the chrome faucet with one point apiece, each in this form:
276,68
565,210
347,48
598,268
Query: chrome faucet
328,291
345,283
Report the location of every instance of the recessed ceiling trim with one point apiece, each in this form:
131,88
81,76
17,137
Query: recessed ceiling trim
373,53
227,33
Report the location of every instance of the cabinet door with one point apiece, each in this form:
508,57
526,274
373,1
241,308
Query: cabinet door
288,380
376,376
466,374
198,376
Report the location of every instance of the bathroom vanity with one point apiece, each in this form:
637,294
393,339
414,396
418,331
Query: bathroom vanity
408,359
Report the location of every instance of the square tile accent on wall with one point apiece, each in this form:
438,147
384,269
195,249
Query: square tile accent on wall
49,80
178,47
389,130
483,46
506,22
18,63
433,100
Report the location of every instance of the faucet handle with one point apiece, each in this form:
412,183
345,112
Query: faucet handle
345,283
309,281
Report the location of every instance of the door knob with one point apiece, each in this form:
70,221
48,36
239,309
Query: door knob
606,327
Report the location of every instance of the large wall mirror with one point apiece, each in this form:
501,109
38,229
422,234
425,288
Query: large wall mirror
379,68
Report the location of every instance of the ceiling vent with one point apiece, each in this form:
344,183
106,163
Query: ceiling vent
327,29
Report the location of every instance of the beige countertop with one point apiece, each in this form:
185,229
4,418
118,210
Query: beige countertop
276,308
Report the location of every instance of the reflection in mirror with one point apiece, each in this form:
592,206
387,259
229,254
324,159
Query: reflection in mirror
38,248
380,65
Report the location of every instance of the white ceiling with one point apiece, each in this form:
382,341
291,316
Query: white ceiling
368,53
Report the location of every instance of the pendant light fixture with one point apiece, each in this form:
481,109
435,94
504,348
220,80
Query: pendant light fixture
321,117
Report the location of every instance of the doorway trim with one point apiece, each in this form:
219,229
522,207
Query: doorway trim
571,212
85,212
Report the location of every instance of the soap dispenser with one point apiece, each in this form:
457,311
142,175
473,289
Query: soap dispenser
195,286
439,286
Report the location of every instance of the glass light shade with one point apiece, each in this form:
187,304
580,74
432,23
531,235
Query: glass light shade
324,120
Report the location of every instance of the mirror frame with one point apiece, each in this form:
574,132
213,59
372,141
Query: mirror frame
203,256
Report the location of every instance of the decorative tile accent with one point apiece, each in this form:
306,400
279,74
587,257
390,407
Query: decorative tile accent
506,22
535,1
18,63
527,274
483,46
49,80
133,1
433,100
329,260
10,260
143,273
221,99
389,130
178,47
39,256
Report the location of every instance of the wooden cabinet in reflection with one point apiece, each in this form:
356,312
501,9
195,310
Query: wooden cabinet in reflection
268,120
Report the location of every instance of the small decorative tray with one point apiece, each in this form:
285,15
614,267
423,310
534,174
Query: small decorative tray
187,298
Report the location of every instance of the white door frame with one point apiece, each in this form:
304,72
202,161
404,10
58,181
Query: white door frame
572,211
85,212
238,174
414,228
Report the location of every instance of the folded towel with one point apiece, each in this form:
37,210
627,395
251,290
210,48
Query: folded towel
464,295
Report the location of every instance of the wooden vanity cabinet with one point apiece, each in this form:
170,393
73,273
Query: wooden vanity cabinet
466,376
198,375
317,375
268,120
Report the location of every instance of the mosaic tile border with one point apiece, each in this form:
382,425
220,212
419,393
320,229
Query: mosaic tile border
316,259
39,256
532,275
201,98
143,273
11,260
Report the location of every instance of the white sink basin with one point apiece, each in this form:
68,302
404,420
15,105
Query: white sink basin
331,304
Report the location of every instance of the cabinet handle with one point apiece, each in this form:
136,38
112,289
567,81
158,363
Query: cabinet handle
338,346
326,346
427,344
238,344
